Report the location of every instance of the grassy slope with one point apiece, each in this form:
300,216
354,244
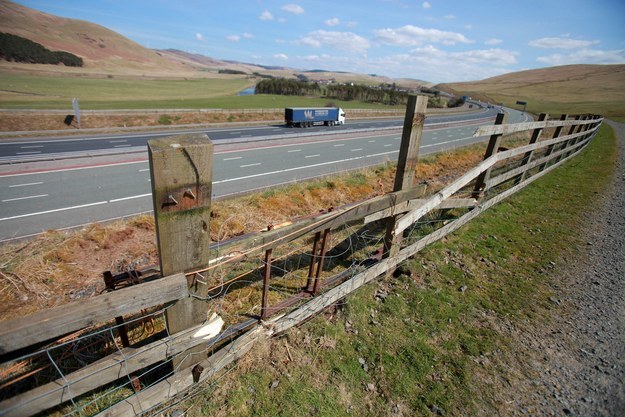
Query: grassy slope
573,89
428,347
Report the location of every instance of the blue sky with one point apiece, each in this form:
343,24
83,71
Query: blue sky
434,40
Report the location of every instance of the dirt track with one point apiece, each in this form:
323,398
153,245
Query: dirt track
576,364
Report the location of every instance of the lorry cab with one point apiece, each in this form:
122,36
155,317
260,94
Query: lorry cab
341,118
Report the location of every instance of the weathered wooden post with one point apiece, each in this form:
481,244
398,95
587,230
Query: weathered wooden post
491,149
550,148
527,158
406,163
181,172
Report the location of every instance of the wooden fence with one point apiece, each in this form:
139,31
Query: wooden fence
297,270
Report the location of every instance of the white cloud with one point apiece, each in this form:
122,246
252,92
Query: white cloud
333,22
293,8
266,15
436,65
233,38
493,41
283,57
413,35
585,56
344,41
426,5
450,17
199,37
248,35
561,43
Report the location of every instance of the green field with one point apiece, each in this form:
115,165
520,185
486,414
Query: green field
30,92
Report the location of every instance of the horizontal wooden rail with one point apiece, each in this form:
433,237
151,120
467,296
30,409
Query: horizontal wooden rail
506,129
472,174
50,324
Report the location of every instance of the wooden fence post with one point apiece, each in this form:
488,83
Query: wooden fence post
406,163
491,149
550,148
181,172
527,158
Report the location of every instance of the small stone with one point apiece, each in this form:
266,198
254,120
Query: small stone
361,361
463,288
436,410
275,384
371,387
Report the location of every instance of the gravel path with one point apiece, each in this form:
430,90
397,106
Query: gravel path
576,365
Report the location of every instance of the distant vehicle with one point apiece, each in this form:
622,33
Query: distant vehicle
310,116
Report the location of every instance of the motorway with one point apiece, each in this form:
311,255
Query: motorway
76,194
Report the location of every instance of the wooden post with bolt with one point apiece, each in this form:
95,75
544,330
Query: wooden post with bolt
406,163
181,173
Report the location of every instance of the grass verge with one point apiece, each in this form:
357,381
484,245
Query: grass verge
429,342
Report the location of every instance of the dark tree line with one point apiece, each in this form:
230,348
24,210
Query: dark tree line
18,49
384,94
287,87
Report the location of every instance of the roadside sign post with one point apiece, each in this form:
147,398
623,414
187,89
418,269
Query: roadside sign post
76,110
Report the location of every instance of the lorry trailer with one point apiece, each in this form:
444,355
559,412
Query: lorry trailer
310,116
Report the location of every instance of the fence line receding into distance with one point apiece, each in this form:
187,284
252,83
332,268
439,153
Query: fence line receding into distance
128,351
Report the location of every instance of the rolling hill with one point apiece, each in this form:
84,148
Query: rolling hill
570,88
106,53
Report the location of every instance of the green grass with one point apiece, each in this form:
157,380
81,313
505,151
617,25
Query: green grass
427,345
30,92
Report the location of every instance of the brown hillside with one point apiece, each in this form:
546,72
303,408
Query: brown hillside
570,88
99,47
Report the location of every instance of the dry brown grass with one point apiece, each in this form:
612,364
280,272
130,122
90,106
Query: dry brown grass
58,267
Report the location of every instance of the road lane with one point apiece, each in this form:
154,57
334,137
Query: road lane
35,202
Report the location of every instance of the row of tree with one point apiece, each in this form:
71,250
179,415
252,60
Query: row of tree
287,87
385,93
18,49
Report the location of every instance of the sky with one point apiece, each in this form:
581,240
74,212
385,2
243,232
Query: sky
434,40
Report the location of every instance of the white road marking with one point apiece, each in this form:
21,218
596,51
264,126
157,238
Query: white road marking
24,198
388,144
144,169
19,216
294,150
122,146
25,185
302,167
31,147
130,198
233,158
356,150
312,156
27,153
371,141
118,141
249,165
337,145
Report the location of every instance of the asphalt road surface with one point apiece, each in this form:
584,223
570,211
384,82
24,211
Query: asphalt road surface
74,194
